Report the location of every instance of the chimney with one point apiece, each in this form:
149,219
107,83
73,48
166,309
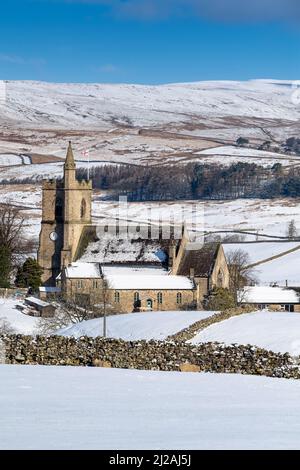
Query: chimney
192,273
172,254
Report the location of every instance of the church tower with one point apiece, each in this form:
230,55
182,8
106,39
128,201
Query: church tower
66,210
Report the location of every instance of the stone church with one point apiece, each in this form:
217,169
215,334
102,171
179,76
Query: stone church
130,273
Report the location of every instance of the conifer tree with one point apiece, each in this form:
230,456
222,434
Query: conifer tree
29,275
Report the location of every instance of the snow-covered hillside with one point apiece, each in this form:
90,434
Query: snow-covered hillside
45,407
276,331
257,252
145,125
93,105
282,271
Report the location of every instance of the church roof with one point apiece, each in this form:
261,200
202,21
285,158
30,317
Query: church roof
110,249
138,277
130,277
83,270
201,259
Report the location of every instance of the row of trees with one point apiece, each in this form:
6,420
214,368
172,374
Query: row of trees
195,181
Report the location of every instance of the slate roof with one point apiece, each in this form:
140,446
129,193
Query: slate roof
202,260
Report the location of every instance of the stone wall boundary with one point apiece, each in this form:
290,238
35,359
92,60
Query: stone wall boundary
189,332
148,355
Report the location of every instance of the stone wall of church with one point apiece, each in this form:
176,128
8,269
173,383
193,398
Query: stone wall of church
75,215
202,289
49,250
170,299
220,267
91,289
123,300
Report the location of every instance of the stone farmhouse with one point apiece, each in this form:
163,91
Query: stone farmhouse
271,298
124,270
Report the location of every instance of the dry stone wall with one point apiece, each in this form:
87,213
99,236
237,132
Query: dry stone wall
192,330
151,355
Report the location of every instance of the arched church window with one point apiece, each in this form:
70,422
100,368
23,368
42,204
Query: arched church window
58,208
83,209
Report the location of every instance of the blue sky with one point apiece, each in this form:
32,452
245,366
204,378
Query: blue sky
149,41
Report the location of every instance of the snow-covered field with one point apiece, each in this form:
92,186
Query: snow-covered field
229,150
275,331
11,159
132,326
45,407
267,216
258,252
135,326
229,154
282,271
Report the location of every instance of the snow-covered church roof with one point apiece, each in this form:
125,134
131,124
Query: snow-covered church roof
138,277
110,249
83,270
131,277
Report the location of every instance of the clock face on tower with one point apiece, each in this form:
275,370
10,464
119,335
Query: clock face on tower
53,236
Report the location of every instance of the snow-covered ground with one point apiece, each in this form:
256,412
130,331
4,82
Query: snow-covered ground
15,319
11,159
230,154
263,216
45,407
267,216
135,326
258,252
275,331
229,150
282,271
132,326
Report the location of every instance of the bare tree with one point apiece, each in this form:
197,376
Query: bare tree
13,244
74,309
68,311
241,274
11,226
